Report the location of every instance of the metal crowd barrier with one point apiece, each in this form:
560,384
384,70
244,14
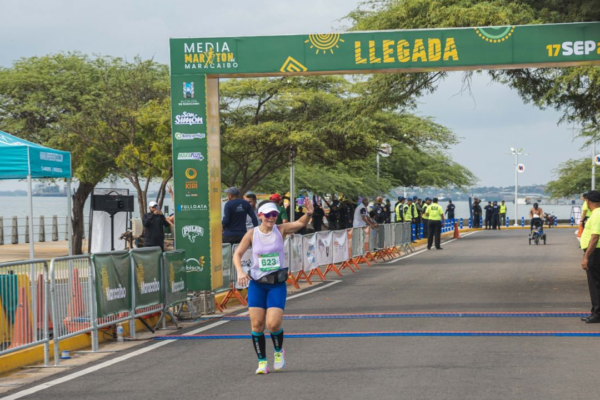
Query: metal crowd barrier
72,300
23,310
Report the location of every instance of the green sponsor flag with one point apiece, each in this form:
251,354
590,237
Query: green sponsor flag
113,282
147,276
174,264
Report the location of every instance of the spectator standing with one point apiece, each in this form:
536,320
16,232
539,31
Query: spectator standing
388,211
379,211
251,198
154,222
361,215
234,216
495,216
317,218
282,218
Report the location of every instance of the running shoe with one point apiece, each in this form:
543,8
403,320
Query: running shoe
263,368
279,360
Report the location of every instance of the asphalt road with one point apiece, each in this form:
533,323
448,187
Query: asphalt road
489,271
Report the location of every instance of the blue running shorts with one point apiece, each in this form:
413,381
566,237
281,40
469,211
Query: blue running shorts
264,295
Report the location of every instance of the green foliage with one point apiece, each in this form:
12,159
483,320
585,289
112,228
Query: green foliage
574,177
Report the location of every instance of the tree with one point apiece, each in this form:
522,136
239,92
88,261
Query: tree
44,100
574,177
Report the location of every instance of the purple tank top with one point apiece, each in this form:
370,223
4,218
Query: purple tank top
265,247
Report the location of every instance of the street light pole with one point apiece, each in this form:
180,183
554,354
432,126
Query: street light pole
517,153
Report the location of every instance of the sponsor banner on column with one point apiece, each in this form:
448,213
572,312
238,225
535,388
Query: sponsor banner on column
340,246
113,283
324,253
194,238
190,171
146,277
309,252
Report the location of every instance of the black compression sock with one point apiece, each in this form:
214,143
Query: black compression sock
277,338
259,343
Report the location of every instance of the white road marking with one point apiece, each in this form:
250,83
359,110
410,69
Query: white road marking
114,361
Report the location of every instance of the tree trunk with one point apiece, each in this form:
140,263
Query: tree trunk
79,199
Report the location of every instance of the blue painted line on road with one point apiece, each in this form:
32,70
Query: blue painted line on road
392,334
425,315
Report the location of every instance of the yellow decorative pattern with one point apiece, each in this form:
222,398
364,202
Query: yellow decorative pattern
140,275
324,42
495,38
105,280
292,65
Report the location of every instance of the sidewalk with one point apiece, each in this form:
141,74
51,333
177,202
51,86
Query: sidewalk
44,250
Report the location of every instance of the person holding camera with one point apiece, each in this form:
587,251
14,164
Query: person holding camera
266,280
154,223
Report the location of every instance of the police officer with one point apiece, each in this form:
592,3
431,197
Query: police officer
591,258
399,209
502,213
425,218
435,214
488,215
409,212
495,216
450,209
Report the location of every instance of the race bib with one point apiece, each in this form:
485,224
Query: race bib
268,262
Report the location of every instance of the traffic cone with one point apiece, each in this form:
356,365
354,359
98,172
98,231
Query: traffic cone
22,334
456,231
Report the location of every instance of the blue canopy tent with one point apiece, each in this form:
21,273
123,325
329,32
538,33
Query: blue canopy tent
20,159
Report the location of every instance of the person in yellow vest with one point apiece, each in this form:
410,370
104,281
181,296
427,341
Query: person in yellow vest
502,214
591,256
435,214
409,212
425,219
398,210
585,211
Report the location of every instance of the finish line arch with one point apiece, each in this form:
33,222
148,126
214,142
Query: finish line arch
198,63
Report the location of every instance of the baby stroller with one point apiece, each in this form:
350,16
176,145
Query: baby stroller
537,230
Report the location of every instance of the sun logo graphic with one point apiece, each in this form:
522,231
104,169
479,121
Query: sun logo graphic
324,42
495,34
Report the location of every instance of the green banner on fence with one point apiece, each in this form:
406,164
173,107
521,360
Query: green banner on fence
147,277
176,277
113,282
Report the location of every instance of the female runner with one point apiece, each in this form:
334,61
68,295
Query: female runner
267,278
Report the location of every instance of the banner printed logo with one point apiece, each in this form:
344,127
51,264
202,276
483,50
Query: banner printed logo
324,42
191,173
189,136
188,118
191,232
495,34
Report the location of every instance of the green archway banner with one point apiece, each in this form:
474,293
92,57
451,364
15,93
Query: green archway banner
198,63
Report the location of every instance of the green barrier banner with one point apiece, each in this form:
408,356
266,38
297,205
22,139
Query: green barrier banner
227,266
174,264
113,282
355,52
147,277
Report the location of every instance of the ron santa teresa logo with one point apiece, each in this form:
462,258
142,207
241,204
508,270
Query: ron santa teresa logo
208,55
191,232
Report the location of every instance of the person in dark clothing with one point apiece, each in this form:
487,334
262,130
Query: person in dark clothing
495,216
450,210
234,217
317,218
154,223
379,211
476,213
346,215
489,210
388,211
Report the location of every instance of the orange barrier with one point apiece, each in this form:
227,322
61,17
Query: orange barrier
346,264
22,334
40,304
302,275
317,272
330,268
293,281
76,309
231,293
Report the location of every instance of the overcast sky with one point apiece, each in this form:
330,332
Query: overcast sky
490,123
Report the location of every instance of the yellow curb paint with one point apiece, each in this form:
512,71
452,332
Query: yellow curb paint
35,355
